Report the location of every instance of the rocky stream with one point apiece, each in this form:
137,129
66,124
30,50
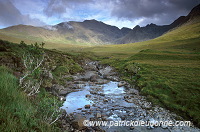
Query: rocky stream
99,94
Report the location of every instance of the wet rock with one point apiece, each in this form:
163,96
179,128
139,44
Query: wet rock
83,110
104,118
102,94
62,98
123,118
126,97
77,123
101,81
79,86
77,77
92,119
131,114
133,91
89,74
92,66
93,92
121,83
127,100
98,115
63,92
146,105
89,112
106,71
105,100
87,106
113,78
94,78
88,96
79,109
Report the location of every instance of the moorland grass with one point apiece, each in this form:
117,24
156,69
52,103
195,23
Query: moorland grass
17,113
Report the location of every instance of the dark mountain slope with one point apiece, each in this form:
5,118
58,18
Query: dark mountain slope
152,31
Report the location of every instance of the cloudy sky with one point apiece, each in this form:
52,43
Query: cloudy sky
121,13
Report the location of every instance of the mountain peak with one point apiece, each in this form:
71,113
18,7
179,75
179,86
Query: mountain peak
137,27
195,12
151,25
92,20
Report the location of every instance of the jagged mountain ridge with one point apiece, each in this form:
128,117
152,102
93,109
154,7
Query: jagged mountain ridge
95,32
152,31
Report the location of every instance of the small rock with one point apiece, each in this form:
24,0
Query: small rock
92,119
131,128
93,92
123,118
63,92
62,98
94,78
121,83
131,114
88,96
79,109
87,106
98,115
83,110
89,112
128,101
105,100
77,123
102,94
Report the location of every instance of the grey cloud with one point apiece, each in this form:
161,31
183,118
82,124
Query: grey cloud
150,11
158,11
57,7
10,15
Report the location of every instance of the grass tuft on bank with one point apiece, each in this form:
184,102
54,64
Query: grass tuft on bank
17,112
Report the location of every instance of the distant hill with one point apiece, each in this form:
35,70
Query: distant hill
92,32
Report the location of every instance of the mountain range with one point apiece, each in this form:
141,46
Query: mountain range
94,32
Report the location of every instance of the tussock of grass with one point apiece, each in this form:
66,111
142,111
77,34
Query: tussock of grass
17,113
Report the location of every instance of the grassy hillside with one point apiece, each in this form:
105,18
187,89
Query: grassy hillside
31,34
20,110
89,32
169,72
